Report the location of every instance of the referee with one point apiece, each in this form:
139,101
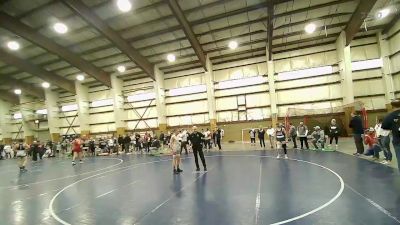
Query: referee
196,138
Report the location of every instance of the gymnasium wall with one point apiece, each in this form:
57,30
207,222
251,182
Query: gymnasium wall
240,107
368,84
394,45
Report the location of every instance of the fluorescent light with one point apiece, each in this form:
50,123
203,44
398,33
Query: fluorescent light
17,91
367,64
17,115
233,45
103,102
141,97
383,13
310,28
121,69
60,28
41,111
188,90
67,108
13,45
305,73
46,84
124,5
171,58
80,77
241,82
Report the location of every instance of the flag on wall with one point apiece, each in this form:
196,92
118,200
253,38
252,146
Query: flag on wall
364,117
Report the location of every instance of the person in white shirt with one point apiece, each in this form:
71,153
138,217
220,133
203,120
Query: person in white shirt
383,141
183,136
252,133
271,133
207,138
176,156
9,151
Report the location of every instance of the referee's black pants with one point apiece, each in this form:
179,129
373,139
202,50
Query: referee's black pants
199,150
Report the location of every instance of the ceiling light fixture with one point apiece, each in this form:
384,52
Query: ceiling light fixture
233,45
124,5
13,45
60,28
121,69
383,13
171,58
310,28
46,84
17,91
80,77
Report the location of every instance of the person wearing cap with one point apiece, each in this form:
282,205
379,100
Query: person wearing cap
373,147
281,140
392,122
196,139
318,137
302,132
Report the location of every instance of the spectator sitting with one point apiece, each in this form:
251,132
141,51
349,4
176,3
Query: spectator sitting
318,137
373,147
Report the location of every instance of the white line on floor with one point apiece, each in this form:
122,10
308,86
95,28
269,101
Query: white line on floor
106,193
61,178
376,205
173,195
258,198
54,215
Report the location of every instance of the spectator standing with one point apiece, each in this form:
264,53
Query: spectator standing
302,132
127,143
261,136
293,134
252,134
392,122
358,131
334,132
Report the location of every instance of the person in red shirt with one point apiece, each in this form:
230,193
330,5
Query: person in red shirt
371,141
77,150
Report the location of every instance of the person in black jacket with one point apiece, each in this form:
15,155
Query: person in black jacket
334,133
121,142
218,136
196,139
127,143
261,136
358,130
392,122
35,150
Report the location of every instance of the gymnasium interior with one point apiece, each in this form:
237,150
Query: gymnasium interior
125,88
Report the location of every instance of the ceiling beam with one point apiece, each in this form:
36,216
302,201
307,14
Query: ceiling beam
270,27
8,97
88,15
19,28
177,11
357,19
25,87
48,76
391,24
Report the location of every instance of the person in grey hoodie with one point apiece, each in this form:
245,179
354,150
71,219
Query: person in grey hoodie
318,137
302,132
293,134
